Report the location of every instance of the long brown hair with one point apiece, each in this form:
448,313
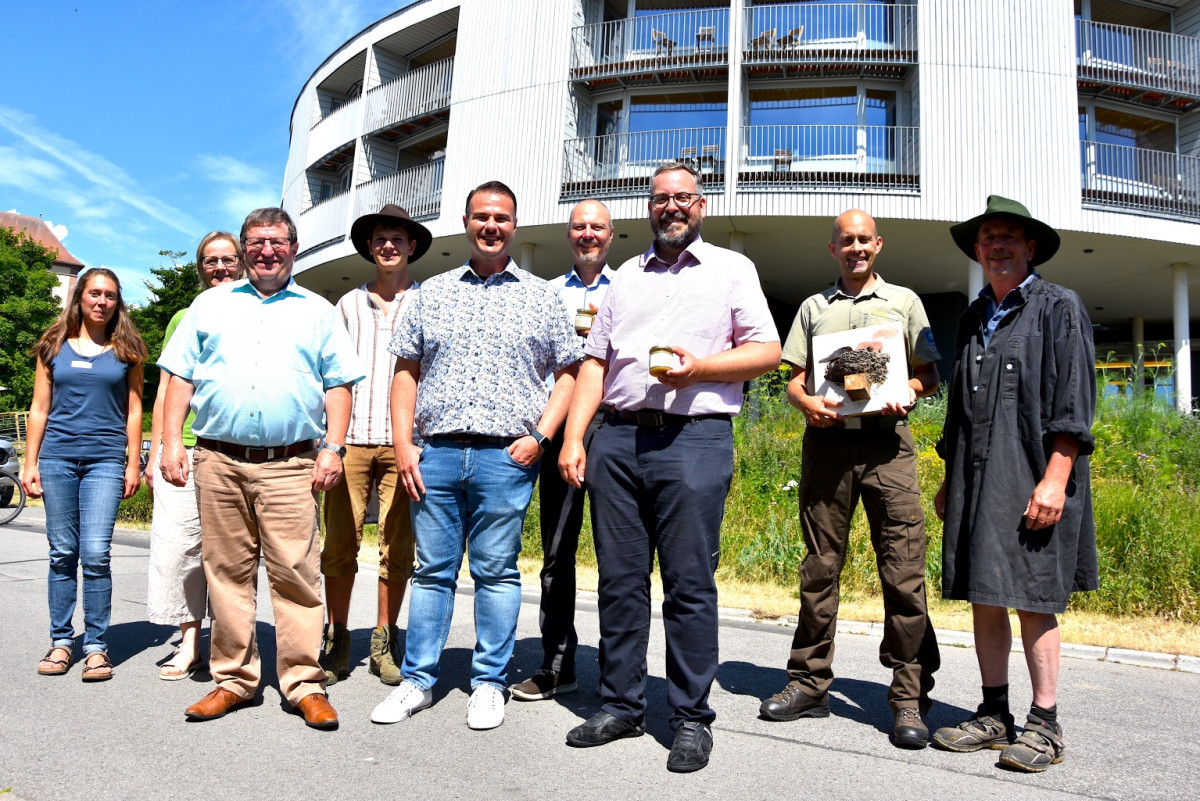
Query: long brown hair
122,334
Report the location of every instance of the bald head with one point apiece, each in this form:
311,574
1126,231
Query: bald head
854,245
855,217
590,233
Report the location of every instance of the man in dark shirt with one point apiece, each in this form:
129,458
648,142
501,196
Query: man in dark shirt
1017,498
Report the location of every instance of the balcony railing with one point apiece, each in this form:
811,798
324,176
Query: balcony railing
335,129
671,46
830,38
417,189
324,222
1142,180
622,164
1120,58
410,96
830,157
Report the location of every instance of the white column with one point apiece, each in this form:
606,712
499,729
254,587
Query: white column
735,117
737,241
1183,339
974,280
1139,354
527,249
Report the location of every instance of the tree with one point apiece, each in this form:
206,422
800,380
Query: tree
178,285
27,308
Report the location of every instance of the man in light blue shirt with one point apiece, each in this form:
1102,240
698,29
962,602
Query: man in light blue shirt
267,367
590,233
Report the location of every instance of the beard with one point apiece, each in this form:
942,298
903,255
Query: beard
663,236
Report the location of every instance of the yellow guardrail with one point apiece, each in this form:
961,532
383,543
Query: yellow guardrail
13,426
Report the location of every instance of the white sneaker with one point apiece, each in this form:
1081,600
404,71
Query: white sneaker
485,710
401,703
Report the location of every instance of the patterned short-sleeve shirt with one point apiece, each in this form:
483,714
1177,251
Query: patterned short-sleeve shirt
485,347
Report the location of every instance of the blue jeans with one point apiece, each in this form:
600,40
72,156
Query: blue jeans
81,500
475,497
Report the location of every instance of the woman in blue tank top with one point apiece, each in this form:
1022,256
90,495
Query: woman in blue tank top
84,437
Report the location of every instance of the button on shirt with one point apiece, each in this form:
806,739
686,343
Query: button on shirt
260,366
709,301
485,347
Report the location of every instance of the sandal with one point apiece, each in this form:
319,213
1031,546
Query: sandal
61,666
167,670
97,671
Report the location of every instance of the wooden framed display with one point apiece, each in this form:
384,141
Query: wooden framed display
863,368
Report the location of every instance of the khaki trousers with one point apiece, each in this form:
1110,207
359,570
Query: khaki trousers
248,509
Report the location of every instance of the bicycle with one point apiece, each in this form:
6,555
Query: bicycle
12,497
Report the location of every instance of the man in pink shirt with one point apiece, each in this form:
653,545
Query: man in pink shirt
659,468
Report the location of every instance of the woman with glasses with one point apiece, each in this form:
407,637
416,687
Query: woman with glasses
85,432
177,593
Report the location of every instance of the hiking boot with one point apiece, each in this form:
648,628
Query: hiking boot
335,652
544,684
384,657
792,702
1039,746
909,730
979,731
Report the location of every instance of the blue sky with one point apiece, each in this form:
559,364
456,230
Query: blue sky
135,127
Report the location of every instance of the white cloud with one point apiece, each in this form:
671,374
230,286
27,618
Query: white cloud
59,231
228,170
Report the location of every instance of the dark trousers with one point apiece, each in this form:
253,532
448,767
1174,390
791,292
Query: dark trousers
561,518
878,467
659,491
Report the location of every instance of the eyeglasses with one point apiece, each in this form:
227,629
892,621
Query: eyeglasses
212,262
259,244
682,199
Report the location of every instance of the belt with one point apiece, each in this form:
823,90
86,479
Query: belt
257,455
475,440
873,422
652,418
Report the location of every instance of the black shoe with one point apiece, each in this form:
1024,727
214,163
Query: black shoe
791,703
693,743
910,731
602,728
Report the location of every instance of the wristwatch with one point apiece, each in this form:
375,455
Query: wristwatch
340,450
540,438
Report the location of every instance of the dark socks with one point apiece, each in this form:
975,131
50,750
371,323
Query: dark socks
995,700
1047,716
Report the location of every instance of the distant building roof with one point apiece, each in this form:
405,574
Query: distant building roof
37,230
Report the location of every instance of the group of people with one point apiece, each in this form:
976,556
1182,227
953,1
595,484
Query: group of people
452,399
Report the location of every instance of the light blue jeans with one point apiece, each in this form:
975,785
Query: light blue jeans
81,500
475,498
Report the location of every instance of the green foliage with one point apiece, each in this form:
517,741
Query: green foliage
177,287
139,508
27,308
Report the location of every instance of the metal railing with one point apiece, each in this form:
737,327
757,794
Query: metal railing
680,38
1138,57
417,189
856,157
845,32
324,221
1139,179
622,164
413,94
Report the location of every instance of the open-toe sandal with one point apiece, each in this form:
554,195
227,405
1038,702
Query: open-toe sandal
60,666
97,671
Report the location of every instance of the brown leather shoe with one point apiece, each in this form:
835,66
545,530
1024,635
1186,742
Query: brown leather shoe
318,713
214,705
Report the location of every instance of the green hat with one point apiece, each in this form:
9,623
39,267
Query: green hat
1046,237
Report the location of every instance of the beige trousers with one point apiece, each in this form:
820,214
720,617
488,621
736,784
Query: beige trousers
248,509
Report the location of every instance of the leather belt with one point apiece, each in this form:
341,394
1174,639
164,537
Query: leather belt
475,440
652,418
257,455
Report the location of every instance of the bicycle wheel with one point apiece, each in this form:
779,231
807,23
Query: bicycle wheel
12,497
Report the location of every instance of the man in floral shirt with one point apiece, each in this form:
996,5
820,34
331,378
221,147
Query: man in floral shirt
473,354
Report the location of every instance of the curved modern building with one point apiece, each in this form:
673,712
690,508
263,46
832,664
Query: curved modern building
914,110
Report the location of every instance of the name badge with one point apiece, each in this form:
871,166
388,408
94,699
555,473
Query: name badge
78,365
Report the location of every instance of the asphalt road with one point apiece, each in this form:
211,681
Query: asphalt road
1127,728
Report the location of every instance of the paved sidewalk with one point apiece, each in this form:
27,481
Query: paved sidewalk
1127,727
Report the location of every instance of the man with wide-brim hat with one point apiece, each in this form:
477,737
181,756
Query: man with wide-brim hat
1016,499
390,240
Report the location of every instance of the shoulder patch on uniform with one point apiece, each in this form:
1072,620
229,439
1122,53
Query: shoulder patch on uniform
928,334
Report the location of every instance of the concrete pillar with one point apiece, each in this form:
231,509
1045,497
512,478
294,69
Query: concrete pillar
974,280
1183,339
737,241
735,116
527,249
1139,354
